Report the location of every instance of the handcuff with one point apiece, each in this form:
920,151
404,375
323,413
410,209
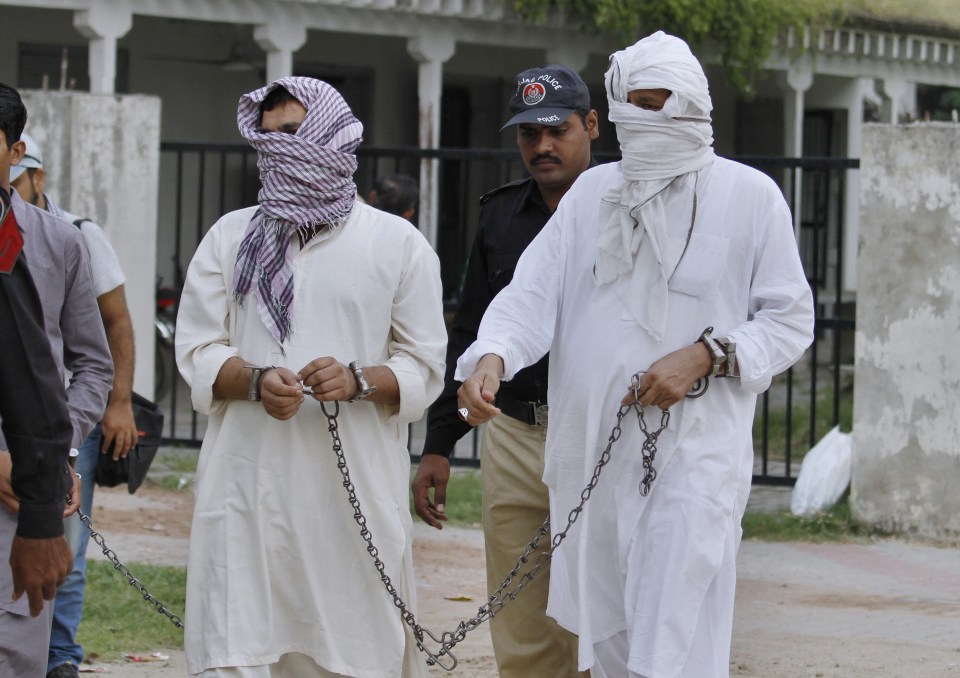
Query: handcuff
364,389
253,393
722,353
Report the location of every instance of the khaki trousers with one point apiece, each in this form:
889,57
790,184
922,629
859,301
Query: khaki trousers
526,642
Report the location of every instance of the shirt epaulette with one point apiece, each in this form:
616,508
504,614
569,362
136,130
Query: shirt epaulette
512,184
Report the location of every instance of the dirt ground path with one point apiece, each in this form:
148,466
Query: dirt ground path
881,609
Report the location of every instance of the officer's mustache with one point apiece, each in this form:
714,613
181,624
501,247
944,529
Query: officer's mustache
545,157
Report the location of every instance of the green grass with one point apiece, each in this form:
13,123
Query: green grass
174,468
834,525
179,460
799,437
116,619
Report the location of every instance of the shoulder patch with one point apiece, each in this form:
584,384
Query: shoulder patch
519,183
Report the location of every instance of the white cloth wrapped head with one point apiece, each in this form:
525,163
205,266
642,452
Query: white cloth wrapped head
657,147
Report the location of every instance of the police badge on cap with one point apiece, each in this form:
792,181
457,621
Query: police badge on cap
547,95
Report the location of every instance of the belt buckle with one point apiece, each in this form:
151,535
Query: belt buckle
540,413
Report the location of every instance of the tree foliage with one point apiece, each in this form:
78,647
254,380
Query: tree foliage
743,31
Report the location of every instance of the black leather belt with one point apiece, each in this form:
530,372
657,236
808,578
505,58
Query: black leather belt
526,411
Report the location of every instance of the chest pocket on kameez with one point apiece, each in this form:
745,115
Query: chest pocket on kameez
701,267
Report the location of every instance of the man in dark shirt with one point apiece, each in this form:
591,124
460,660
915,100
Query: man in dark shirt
551,108
37,427
34,482
35,419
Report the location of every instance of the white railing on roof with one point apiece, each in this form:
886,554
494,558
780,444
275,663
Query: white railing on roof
854,42
492,10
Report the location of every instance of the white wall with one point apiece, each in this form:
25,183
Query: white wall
101,157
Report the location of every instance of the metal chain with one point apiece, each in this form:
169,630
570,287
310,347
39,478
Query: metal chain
122,569
448,640
503,595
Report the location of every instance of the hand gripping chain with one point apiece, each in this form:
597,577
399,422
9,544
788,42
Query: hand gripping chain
504,594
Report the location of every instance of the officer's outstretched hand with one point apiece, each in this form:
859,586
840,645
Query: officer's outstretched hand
434,471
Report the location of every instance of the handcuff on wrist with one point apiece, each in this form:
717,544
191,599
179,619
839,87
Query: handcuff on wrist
364,389
253,393
722,353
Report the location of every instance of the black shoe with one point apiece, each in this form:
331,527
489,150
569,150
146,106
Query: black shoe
67,670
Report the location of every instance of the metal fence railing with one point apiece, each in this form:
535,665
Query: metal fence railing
200,182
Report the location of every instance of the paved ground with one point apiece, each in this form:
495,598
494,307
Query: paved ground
886,608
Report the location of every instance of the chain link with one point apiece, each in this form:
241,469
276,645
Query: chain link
504,594
122,569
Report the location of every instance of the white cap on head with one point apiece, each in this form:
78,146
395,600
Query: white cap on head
32,157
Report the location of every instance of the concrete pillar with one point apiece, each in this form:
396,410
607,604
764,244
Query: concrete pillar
280,39
906,432
797,80
897,92
858,92
102,24
102,160
431,52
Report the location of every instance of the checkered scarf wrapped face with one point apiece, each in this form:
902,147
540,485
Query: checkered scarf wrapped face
307,180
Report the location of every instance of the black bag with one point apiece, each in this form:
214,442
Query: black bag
133,469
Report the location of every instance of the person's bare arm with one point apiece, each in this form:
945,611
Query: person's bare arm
85,350
119,427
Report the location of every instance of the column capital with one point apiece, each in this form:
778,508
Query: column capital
281,35
799,76
431,48
104,19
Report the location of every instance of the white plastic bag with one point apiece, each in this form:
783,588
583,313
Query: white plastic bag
824,474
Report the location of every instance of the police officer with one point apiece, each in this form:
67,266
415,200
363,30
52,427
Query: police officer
550,108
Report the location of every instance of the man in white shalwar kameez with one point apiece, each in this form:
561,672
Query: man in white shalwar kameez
638,260
278,300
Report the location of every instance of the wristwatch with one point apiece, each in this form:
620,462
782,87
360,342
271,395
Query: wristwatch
253,393
363,388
